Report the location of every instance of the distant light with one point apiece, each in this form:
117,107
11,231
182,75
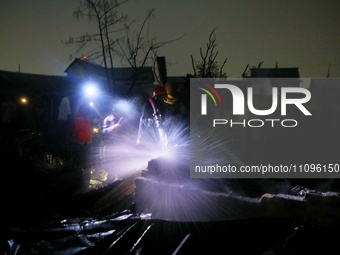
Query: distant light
23,100
91,104
85,57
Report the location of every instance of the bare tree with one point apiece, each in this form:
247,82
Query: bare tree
139,49
100,46
114,38
245,73
208,65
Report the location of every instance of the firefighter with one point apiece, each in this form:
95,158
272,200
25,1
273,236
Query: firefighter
154,115
110,123
82,137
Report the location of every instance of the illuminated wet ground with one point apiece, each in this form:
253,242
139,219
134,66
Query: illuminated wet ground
50,206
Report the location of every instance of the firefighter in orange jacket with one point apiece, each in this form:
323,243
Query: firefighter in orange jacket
82,140
82,126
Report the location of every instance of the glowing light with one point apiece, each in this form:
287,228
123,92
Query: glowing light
124,106
23,100
122,157
91,90
163,138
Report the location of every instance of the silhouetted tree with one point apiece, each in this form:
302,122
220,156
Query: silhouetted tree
100,46
114,38
245,73
139,48
208,65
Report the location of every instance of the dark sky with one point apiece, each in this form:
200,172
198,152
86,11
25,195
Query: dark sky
303,33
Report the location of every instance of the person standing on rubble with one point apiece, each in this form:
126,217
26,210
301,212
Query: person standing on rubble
154,116
82,137
110,123
109,136
64,119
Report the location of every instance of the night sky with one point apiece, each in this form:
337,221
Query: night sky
303,34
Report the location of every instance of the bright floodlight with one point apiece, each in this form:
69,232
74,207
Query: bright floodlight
91,90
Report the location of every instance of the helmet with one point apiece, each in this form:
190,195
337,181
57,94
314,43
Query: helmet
170,99
160,90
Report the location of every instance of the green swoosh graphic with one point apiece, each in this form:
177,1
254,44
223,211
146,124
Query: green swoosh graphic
211,95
